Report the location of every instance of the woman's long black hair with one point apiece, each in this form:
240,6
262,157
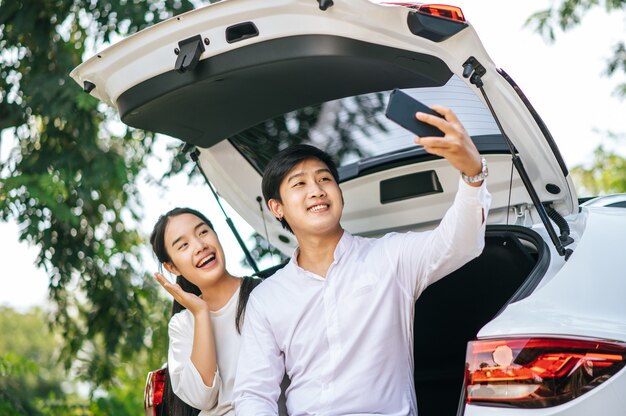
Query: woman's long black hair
176,407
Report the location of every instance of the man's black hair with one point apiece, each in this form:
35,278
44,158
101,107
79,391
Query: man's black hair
280,165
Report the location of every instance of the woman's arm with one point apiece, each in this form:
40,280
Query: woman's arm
203,351
193,371
203,354
187,383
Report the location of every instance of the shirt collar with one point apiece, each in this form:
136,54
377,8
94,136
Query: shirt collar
342,247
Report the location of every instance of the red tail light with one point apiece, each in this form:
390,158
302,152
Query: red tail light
153,395
437,10
443,11
537,372
159,386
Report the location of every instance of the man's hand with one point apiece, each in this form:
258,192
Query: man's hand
456,146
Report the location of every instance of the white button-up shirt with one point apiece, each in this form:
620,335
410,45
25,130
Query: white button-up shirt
346,341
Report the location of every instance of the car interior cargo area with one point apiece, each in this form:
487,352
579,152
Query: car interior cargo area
451,311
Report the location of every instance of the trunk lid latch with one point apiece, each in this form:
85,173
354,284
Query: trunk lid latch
188,51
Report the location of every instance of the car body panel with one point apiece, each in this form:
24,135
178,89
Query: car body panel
585,297
615,200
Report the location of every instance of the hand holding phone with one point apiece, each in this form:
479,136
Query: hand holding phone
402,108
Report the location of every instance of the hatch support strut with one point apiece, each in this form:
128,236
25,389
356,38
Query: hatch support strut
194,156
474,70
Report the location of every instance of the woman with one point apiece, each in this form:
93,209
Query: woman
207,315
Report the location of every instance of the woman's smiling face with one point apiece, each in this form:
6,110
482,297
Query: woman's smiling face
194,250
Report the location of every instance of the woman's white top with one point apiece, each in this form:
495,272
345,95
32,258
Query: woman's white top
186,381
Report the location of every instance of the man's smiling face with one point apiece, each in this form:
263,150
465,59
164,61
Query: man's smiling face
311,200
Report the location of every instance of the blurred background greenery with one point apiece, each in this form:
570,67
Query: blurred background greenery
71,184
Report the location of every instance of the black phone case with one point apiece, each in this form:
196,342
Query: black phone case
402,108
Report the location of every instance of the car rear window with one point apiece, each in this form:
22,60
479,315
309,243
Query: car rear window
354,129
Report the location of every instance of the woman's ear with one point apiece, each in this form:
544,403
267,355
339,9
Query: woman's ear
169,266
276,208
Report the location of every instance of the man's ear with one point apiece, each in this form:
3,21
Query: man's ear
169,266
276,208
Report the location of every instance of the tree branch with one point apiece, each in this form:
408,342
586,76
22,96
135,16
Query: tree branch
10,115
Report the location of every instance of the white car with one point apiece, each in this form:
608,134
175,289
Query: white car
537,324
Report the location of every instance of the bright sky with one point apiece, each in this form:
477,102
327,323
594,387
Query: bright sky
564,81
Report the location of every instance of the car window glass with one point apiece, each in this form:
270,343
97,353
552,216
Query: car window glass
355,128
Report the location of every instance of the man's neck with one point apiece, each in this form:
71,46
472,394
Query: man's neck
317,253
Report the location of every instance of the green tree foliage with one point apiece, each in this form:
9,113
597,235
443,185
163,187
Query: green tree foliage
607,171
567,14
32,381
30,376
70,183
605,175
14,369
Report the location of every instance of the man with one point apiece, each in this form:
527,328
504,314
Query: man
338,318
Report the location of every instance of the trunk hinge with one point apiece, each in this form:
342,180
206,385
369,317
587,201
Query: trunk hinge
522,215
474,70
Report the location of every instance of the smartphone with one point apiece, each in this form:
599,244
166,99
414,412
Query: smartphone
401,109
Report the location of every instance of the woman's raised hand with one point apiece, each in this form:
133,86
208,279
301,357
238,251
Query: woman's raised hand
191,301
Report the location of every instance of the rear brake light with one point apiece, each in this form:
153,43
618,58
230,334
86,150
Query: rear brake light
443,11
159,386
537,372
438,10
155,387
